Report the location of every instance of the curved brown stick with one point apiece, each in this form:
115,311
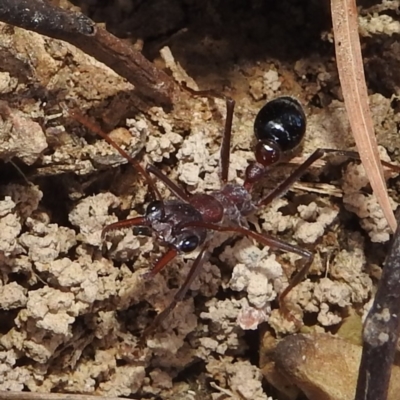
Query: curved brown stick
77,29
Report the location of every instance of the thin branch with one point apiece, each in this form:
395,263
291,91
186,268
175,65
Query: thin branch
6,395
381,331
354,88
78,30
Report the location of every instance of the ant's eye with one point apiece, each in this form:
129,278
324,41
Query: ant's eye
155,208
281,121
188,244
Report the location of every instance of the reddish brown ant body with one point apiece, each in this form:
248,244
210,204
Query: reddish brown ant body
183,224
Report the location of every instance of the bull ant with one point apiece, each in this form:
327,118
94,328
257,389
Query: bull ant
184,224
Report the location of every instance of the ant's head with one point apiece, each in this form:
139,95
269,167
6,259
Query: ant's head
279,127
166,219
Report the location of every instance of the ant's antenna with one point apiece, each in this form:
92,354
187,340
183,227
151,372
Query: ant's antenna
85,121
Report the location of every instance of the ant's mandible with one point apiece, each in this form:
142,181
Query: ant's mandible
183,224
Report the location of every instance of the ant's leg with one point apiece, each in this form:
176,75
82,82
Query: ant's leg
300,275
226,141
282,188
161,263
180,294
224,156
266,240
270,241
85,121
141,221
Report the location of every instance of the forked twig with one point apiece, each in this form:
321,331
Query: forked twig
354,88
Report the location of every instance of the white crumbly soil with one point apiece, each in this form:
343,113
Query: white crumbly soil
74,305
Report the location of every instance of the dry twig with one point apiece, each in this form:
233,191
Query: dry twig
51,396
77,29
354,88
381,331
